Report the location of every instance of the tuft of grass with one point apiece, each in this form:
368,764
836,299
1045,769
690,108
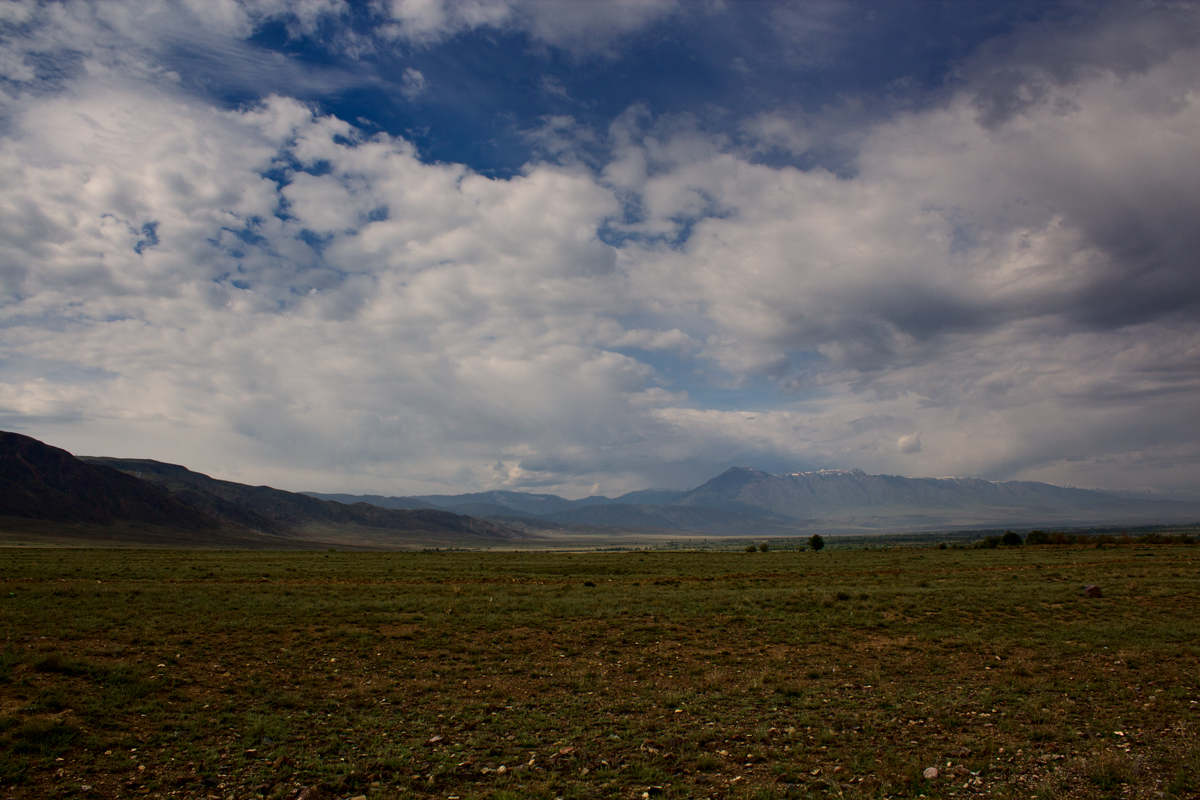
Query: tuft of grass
63,665
9,659
14,770
1110,770
43,738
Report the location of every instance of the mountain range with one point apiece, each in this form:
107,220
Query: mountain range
749,502
49,495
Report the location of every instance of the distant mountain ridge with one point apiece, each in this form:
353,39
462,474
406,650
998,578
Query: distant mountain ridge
831,492
522,503
743,501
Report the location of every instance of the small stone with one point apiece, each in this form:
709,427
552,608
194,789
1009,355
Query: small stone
930,773
1093,591
501,770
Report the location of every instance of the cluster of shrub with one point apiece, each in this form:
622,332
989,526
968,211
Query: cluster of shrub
1011,539
815,542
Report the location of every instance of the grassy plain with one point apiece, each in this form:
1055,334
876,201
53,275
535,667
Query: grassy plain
593,675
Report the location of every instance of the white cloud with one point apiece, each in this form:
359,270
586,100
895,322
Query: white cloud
999,294
581,27
412,83
446,318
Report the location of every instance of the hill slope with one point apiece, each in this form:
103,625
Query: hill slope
288,513
38,481
49,496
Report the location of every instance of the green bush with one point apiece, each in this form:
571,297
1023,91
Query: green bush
1057,537
1011,539
816,542
1164,538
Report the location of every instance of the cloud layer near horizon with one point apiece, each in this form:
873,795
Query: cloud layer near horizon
1001,280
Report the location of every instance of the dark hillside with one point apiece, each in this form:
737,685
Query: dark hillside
38,481
278,511
516,501
377,500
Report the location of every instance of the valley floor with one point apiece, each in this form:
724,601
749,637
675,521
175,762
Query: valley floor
622,675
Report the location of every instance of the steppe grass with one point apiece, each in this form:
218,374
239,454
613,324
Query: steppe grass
579,675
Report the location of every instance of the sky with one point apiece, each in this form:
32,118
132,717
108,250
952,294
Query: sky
439,246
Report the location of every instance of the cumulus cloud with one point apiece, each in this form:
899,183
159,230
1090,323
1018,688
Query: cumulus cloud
910,443
1002,284
359,306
